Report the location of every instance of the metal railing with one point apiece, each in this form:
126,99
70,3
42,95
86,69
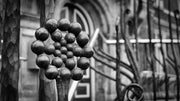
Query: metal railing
154,62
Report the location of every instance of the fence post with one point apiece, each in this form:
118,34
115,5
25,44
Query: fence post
47,88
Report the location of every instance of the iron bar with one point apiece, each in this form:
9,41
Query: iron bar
170,62
130,55
132,59
173,51
118,75
42,85
176,14
107,76
146,54
112,67
112,59
121,63
151,50
135,28
155,58
103,74
168,55
42,13
128,48
103,62
162,52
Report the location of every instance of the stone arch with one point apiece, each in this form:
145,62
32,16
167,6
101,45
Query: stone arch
96,10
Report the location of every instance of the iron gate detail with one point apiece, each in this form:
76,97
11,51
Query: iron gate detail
153,61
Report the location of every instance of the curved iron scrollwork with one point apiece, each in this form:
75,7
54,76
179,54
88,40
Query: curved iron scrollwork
133,92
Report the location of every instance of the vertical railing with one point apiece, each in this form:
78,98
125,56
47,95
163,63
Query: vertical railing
177,69
161,44
151,48
172,49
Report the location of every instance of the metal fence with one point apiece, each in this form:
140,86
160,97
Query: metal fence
154,61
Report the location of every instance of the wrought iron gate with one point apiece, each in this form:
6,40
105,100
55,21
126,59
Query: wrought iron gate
154,60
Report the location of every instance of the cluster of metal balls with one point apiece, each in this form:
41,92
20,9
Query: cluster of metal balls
67,54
